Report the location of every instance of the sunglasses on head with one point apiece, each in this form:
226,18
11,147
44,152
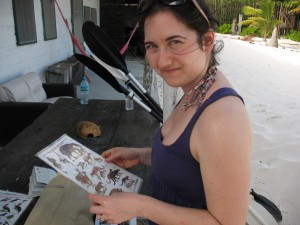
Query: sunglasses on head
144,5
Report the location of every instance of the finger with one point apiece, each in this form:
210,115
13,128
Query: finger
96,210
111,155
106,154
96,198
94,204
104,218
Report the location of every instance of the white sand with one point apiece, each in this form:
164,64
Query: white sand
269,81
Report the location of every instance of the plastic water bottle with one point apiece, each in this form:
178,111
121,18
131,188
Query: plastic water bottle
84,91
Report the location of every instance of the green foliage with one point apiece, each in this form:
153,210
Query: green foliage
249,30
225,28
226,10
294,35
261,18
293,6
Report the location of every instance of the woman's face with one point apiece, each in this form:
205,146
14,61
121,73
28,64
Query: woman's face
174,52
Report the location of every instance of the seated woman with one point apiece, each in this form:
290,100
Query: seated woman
200,157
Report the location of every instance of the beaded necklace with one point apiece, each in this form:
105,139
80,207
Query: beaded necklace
200,90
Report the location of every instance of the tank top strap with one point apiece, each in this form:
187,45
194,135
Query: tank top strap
220,93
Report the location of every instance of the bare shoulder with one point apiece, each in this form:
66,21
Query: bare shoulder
227,109
224,123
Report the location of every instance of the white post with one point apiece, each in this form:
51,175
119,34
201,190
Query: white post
167,96
239,24
171,96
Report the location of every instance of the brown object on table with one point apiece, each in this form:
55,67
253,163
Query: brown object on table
87,129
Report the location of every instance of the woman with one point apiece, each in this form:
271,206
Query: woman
200,158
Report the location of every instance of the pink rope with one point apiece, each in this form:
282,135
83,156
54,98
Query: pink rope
124,48
74,39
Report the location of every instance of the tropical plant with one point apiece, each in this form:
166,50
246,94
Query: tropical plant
225,28
249,31
293,6
294,35
261,18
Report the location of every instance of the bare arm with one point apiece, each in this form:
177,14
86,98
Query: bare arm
123,206
224,154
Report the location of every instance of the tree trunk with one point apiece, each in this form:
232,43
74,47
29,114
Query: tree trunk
274,39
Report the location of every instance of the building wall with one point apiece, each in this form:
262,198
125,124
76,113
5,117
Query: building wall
17,60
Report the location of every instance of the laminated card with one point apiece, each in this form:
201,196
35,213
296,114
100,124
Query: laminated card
87,168
39,178
12,206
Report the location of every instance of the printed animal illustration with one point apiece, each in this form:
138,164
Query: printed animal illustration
115,190
62,159
5,208
83,178
124,180
17,207
127,182
130,184
87,158
10,216
82,165
100,188
72,151
98,172
56,164
99,160
114,175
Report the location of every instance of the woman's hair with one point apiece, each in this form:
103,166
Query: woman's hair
192,18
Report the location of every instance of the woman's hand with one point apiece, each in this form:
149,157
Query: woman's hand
113,209
127,157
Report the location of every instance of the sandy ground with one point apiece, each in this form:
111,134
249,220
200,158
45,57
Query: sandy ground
269,81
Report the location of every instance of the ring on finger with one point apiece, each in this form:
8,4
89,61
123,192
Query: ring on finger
102,220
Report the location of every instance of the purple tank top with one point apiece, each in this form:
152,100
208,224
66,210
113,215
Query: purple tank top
175,174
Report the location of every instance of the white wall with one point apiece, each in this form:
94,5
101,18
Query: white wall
17,60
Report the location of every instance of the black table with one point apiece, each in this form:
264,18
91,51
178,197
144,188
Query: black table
119,127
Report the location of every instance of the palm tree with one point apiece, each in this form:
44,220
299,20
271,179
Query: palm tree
294,6
262,18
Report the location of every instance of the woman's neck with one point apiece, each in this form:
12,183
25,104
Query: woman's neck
196,95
